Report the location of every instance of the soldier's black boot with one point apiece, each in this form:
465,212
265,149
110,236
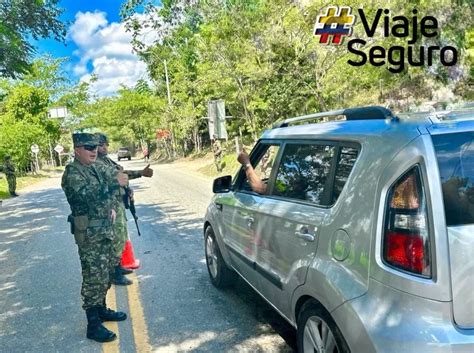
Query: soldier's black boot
119,279
95,330
125,271
106,314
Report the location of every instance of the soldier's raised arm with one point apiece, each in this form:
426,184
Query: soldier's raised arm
134,174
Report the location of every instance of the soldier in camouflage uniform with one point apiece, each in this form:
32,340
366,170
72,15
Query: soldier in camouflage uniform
9,171
120,225
217,151
91,193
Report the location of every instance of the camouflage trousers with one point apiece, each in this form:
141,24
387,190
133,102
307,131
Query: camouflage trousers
218,162
96,252
11,179
121,233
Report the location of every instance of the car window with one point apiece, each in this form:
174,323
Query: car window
264,166
264,163
455,154
303,172
346,161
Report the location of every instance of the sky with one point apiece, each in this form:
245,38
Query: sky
96,43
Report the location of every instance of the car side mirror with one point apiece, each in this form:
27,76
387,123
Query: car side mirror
222,184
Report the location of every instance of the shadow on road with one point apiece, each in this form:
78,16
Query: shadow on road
235,319
40,285
40,305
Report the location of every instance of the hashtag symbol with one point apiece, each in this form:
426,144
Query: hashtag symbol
337,22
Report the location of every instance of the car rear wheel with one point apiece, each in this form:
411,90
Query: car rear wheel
317,331
221,275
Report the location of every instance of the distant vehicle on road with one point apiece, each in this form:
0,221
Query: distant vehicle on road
363,236
124,152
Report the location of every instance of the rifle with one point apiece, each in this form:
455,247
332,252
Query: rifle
130,205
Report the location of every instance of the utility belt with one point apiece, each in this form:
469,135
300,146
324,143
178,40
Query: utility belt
79,224
103,222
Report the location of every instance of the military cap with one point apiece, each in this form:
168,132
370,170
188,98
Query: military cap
102,138
81,138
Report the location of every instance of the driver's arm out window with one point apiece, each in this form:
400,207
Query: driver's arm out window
263,166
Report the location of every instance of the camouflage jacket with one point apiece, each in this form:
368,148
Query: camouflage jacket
8,169
216,148
109,163
90,190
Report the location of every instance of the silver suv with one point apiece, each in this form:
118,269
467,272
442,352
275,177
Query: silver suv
364,238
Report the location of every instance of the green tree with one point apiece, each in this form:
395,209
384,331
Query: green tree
22,20
130,117
262,58
46,72
24,112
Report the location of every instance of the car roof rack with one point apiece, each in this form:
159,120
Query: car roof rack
362,113
452,115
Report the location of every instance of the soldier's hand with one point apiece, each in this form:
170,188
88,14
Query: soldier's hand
243,158
147,172
122,179
113,216
131,194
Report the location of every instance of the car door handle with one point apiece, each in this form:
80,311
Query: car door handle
304,234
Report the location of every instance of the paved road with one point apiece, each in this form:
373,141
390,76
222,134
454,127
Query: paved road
172,304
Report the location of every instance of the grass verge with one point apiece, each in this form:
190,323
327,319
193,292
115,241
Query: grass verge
229,166
23,181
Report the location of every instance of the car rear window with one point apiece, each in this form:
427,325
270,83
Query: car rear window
455,154
303,172
347,159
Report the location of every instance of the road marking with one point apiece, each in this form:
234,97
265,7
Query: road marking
114,346
140,331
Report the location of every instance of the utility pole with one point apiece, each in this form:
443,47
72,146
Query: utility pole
53,164
380,89
167,83
169,106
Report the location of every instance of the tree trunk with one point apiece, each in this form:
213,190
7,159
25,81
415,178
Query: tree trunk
51,153
197,139
248,115
173,143
167,149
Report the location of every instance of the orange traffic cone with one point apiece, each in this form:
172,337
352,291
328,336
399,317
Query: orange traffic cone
128,258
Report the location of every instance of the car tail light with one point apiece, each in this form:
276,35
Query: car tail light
406,244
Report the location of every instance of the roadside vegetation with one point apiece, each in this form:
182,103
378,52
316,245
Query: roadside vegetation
259,56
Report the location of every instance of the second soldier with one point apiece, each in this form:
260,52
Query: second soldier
120,225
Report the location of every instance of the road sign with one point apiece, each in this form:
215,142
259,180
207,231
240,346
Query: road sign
58,113
216,116
59,148
35,149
